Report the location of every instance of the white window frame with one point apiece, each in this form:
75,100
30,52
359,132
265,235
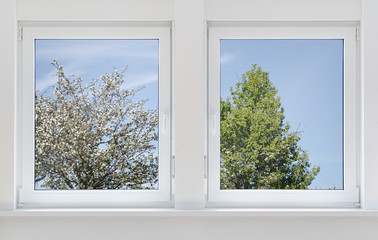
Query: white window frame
27,196
349,196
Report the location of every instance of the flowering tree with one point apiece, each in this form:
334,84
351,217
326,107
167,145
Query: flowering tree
94,136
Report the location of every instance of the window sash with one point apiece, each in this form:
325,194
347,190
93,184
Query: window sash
28,197
284,198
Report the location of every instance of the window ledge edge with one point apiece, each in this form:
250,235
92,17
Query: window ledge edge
209,212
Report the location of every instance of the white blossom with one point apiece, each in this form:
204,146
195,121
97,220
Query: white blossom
94,136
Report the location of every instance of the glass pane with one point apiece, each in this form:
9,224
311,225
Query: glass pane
281,114
96,114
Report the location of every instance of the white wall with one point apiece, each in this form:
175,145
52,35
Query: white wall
190,149
261,228
94,10
283,10
370,88
7,58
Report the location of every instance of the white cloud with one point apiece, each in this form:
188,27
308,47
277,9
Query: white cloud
227,57
50,78
139,80
85,60
46,81
89,53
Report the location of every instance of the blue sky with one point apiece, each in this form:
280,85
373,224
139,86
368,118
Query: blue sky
309,77
92,58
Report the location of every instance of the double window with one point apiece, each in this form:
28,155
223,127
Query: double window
95,110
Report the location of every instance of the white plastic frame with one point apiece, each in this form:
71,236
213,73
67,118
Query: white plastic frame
349,196
27,196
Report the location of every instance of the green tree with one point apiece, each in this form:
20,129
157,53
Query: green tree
258,150
94,136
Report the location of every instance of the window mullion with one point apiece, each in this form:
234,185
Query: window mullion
189,104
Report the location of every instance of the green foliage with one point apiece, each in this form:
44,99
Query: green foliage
94,136
258,150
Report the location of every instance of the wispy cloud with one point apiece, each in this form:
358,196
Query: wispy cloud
87,51
46,81
90,59
50,77
140,80
227,57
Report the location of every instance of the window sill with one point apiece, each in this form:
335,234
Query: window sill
166,212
